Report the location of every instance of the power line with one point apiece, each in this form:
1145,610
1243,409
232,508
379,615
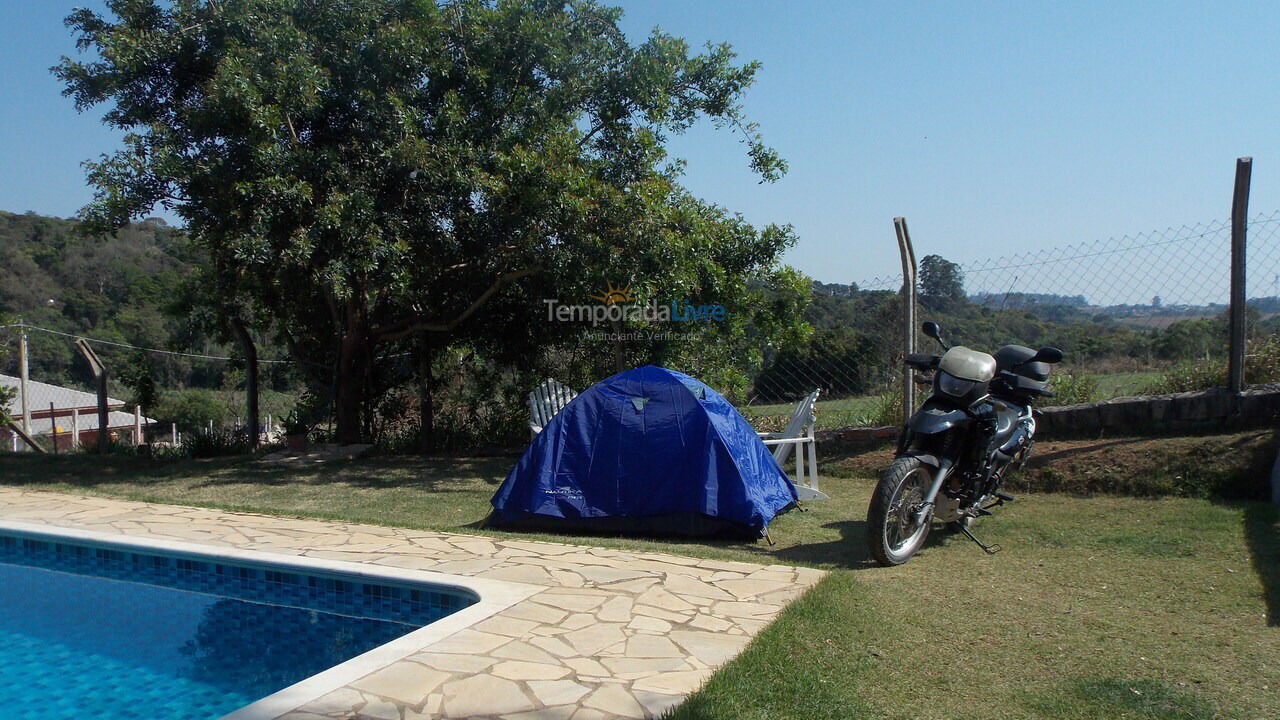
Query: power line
157,351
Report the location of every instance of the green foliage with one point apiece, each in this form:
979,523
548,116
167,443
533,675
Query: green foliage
307,412
294,424
1261,366
193,410
887,409
1070,389
941,281
856,343
7,394
1190,376
218,442
1198,338
1262,360
139,374
118,287
391,176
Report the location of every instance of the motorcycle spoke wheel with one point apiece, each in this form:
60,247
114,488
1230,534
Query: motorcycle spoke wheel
895,527
901,526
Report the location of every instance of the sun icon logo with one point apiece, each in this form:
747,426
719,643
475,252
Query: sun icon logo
614,295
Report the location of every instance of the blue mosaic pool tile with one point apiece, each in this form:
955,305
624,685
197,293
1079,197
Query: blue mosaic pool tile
102,632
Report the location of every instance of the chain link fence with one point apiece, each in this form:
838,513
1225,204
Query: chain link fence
1138,314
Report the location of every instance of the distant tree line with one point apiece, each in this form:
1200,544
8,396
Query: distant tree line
857,338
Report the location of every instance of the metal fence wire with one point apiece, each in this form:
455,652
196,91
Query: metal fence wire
1128,311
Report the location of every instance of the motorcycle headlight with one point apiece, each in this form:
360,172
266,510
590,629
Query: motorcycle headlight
954,386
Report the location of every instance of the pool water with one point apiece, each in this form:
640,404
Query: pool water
94,631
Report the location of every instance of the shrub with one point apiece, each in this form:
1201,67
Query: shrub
1262,360
215,443
1189,376
1070,389
1261,365
887,409
192,410
167,453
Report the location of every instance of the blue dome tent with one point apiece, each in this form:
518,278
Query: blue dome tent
647,451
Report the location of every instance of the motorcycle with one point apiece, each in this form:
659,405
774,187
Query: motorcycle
953,453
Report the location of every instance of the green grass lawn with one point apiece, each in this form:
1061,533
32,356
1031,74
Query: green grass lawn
842,412
1125,383
1098,607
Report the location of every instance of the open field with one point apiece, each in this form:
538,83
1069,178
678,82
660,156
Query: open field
1098,607
1124,383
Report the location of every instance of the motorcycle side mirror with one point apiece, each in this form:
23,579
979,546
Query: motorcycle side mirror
1049,355
931,329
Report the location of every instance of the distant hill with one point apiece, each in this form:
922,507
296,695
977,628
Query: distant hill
120,288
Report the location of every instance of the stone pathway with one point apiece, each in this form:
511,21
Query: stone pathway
614,634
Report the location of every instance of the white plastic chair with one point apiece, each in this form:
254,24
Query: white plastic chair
545,401
798,436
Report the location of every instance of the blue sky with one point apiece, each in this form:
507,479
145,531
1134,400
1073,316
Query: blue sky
993,127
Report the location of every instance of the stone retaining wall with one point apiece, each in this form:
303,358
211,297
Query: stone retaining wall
1215,409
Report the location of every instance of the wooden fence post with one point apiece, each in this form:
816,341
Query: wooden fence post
100,373
1239,226
22,378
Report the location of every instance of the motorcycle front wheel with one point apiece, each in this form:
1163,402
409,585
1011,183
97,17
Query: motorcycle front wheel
893,532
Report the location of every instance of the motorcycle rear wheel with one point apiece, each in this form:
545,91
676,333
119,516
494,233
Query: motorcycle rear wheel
893,535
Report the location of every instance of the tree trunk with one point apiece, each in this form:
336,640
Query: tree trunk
250,377
426,397
353,359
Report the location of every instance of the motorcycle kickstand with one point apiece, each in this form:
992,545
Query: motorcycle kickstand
988,549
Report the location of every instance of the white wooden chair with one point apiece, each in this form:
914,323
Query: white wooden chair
545,401
798,437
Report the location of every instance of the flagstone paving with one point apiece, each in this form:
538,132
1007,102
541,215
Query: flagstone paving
613,634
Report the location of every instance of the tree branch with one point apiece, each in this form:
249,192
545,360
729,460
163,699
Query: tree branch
402,330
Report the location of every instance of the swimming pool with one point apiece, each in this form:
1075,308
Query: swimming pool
112,630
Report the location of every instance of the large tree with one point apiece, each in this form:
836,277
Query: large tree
388,176
941,281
